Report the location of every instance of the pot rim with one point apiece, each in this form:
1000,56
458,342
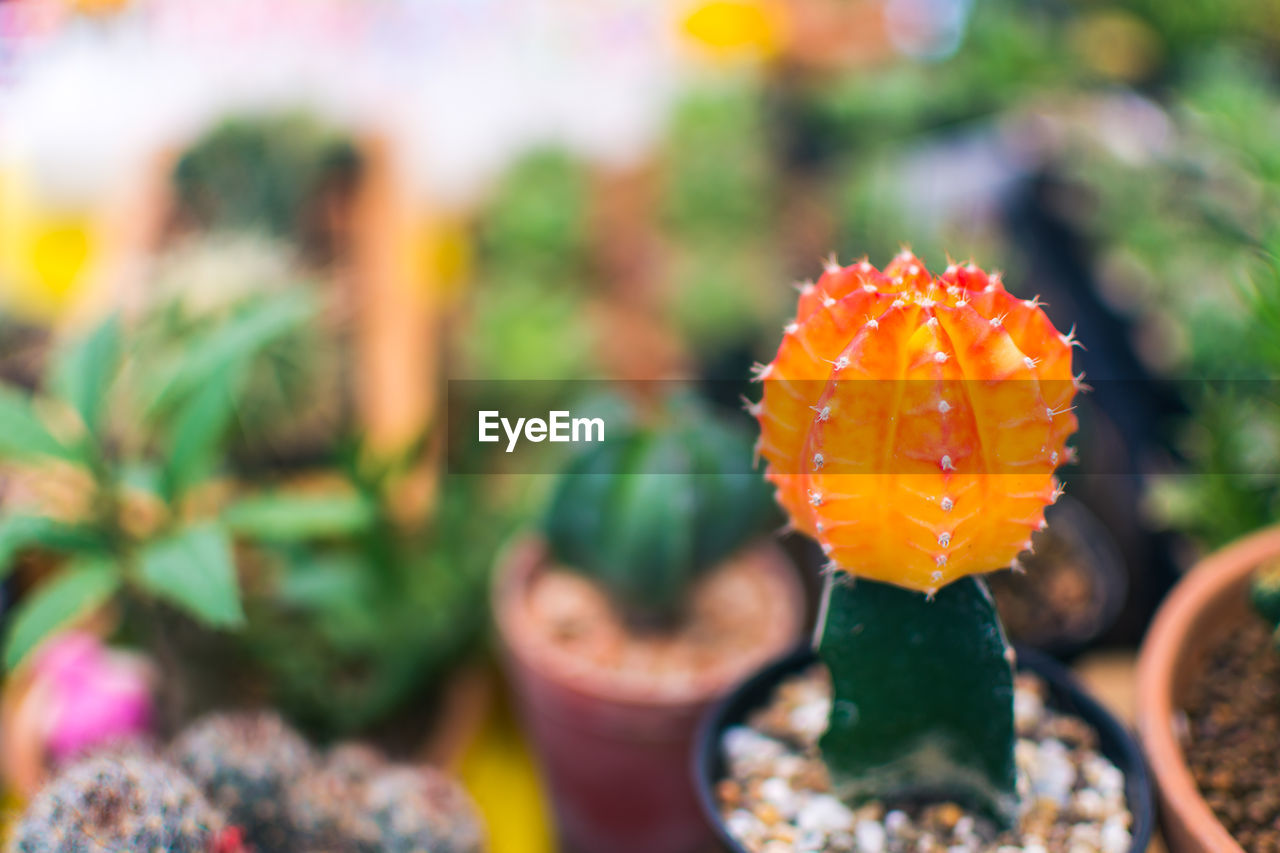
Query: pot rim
1117,743
525,552
1162,652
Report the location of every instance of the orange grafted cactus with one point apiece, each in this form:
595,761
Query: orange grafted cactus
912,422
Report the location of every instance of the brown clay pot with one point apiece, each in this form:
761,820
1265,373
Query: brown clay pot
1211,600
616,759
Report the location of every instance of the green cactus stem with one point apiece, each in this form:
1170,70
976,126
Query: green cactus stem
923,695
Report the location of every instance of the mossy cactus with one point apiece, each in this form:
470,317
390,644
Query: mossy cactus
245,763
647,513
357,802
912,424
112,803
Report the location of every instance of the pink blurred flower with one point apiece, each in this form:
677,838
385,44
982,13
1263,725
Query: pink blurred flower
91,694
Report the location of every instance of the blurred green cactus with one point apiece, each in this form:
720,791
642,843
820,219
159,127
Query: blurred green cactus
645,514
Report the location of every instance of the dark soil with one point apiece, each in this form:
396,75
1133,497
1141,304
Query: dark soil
1232,740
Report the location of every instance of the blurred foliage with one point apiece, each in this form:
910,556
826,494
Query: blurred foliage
125,518
291,402
523,327
261,172
527,317
537,221
359,614
718,173
720,185
1188,245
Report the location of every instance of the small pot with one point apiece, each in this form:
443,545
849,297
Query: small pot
615,759
1211,600
1064,695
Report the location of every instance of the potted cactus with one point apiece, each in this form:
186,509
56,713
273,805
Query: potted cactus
637,606
244,782
1209,700
912,424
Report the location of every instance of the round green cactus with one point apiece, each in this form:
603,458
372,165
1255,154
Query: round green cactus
646,513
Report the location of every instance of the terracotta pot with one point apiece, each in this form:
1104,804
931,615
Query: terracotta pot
1064,694
1211,600
615,757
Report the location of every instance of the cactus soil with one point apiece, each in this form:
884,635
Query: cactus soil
1232,736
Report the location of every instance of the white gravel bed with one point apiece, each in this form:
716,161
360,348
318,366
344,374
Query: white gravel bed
776,798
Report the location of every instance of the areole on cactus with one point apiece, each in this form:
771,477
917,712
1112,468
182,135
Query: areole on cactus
912,424
934,407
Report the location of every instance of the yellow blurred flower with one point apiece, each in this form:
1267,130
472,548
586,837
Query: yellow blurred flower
47,251
736,29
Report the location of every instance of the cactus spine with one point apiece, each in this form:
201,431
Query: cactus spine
912,424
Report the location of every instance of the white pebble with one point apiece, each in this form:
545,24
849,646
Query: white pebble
825,814
746,749
1114,837
743,824
1028,710
1089,803
896,822
777,792
1052,774
870,836
809,719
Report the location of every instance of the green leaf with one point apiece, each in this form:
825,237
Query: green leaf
78,589
325,582
83,372
210,355
200,426
22,434
195,570
290,518
19,532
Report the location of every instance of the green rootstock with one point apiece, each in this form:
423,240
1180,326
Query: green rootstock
923,696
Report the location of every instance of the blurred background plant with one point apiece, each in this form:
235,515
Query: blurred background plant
1114,157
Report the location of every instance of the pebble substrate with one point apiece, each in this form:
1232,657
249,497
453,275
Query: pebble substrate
777,797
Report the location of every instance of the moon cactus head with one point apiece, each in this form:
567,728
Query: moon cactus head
912,422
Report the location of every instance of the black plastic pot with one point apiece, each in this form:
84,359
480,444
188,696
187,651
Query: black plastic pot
1064,695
